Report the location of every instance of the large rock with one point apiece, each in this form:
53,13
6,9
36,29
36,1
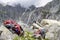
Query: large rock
53,27
53,33
49,22
6,34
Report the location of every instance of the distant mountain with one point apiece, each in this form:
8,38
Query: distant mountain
28,15
10,12
53,9
50,11
15,13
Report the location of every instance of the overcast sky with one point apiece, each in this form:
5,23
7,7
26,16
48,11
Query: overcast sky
26,3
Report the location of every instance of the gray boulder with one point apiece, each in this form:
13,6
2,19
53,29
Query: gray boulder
6,34
53,27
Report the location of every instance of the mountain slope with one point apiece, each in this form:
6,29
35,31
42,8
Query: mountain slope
28,15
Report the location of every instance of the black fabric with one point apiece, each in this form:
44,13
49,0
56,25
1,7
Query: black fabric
42,33
17,32
8,26
21,28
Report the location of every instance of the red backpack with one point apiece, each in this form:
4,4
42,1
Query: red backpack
9,22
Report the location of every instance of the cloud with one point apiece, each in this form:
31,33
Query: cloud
26,3
42,3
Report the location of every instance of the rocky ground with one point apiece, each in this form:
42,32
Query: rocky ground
53,27
6,34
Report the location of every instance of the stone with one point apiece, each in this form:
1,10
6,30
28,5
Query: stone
48,22
53,27
6,34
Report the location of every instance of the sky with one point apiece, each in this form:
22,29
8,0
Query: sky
26,3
